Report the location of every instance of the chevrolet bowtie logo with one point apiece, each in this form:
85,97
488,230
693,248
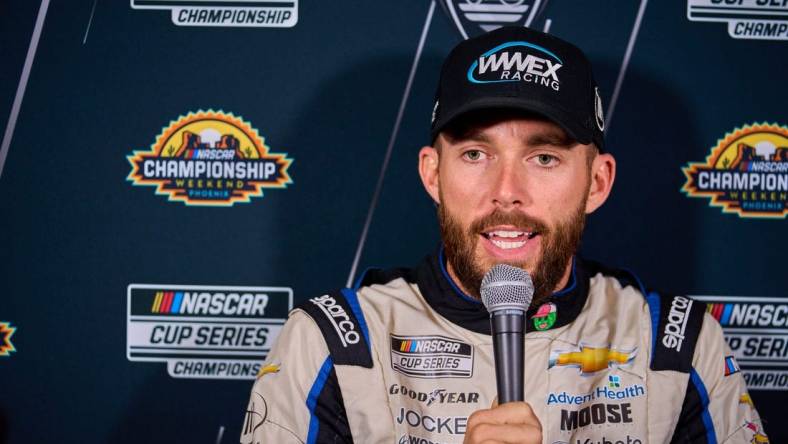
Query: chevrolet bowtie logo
270,368
592,359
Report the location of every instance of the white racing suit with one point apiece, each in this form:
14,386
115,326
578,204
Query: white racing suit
406,357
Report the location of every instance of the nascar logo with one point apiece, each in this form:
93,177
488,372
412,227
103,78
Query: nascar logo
180,302
749,314
429,346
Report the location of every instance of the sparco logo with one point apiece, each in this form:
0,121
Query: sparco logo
338,318
439,395
677,322
596,414
517,62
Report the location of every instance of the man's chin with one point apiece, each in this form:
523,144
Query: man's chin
523,256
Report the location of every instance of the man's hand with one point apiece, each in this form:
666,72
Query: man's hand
511,423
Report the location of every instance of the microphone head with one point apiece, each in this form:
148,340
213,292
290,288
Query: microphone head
505,287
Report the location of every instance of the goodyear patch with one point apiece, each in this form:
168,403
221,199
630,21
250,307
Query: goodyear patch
209,158
746,173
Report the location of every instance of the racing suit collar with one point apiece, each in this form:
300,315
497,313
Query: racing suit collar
445,297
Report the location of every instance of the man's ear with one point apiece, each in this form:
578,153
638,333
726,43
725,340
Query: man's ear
429,160
603,174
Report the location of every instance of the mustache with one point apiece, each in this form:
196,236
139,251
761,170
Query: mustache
514,218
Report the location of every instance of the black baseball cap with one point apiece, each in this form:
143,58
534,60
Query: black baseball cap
520,68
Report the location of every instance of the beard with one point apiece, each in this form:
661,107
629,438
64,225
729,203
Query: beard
558,245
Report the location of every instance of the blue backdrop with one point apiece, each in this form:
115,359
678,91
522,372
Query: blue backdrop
136,304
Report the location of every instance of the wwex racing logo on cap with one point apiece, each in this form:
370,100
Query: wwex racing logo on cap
515,62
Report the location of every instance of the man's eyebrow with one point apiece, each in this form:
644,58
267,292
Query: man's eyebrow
470,134
559,139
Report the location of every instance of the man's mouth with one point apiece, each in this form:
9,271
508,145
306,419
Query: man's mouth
509,239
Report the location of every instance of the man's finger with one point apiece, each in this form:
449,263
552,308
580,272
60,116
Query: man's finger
509,413
504,433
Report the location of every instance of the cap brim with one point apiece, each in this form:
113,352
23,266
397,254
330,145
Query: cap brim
554,114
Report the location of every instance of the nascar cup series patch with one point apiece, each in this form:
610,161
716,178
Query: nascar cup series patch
431,357
746,172
210,158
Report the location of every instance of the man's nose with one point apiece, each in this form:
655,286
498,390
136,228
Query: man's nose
509,186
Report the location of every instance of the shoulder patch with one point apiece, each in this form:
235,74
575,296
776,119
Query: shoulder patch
340,320
676,329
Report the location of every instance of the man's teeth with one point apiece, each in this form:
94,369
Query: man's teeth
507,245
497,238
507,233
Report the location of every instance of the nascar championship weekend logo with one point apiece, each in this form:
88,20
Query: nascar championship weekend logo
746,172
204,331
756,330
209,158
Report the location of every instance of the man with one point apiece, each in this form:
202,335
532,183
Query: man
517,162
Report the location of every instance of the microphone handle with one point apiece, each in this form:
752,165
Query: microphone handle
508,328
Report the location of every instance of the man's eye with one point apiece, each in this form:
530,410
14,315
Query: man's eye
545,159
473,155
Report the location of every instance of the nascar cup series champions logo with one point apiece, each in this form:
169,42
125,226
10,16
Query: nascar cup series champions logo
746,172
205,332
210,158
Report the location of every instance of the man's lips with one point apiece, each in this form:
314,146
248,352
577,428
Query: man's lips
508,238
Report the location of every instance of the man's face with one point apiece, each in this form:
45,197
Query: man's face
512,190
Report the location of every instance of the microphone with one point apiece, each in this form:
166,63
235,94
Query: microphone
507,292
